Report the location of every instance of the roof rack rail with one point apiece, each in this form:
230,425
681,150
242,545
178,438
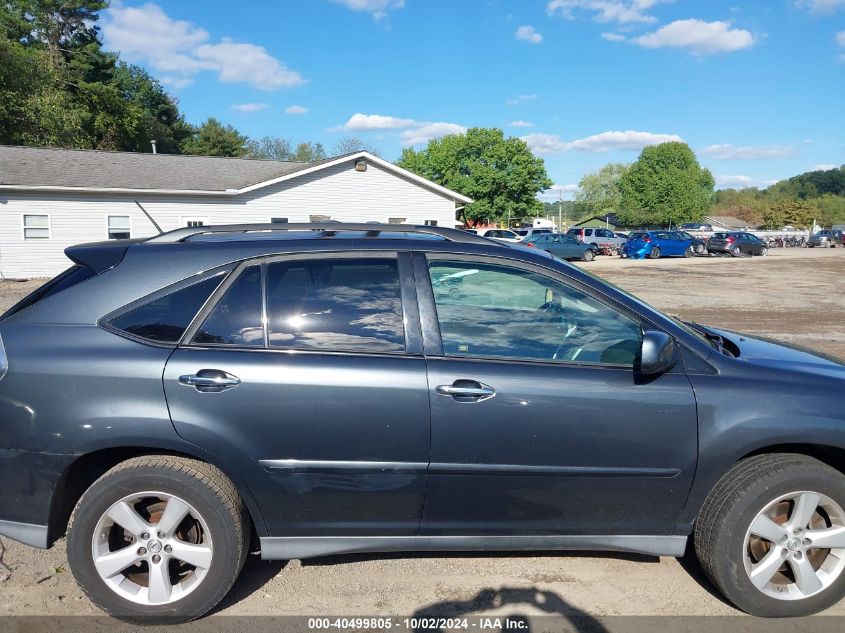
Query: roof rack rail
329,229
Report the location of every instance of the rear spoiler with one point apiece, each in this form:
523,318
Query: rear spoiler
100,256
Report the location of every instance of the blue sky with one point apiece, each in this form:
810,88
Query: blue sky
756,87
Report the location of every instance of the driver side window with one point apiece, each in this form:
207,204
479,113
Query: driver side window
493,311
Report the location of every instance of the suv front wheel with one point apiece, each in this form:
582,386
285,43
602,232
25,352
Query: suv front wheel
771,535
158,538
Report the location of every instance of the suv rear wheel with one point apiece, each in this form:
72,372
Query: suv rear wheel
158,537
771,535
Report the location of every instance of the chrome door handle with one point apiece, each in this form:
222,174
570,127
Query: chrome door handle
467,389
210,380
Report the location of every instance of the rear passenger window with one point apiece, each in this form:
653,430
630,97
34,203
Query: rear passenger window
166,318
237,317
337,305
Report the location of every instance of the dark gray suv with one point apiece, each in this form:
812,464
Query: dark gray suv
315,390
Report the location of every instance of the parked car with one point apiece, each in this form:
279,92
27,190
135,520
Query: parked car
736,244
531,232
336,391
827,238
696,226
621,235
602,238
698,245
655,244
563,246
500,235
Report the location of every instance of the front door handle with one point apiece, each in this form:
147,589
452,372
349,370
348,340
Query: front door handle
467,391
210,380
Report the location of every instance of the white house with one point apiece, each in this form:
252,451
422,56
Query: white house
54,198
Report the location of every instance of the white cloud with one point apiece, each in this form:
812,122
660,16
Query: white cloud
823,167
621,11
181,50
821,6
741,182
840,39
414,132
520,99
379,8
521,124
428,131
701,38
604,142
250,107
726,151
613,37
529,34
296,109
554,192
361,122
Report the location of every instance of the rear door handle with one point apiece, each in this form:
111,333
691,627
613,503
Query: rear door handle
467,391
210,380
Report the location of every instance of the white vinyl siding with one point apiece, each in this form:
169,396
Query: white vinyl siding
36,227
338,192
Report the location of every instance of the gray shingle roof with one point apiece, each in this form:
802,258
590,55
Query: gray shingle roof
30,166
729,221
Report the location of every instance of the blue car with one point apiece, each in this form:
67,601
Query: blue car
654,244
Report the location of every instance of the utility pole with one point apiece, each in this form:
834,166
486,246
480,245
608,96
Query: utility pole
559,209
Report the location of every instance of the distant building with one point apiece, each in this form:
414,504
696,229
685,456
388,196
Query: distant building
54,198
728,223
609,221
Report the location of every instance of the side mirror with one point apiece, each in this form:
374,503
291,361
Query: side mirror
657,353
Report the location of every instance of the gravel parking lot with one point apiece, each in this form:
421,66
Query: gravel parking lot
793,294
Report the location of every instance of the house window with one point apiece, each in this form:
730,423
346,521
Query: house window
278,220
118,227
431,222
194,221
396,220
36,227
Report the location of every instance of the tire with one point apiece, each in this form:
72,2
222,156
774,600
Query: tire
219,538
655,253
690,252
764,251
727,547
700,249
736,252
588,256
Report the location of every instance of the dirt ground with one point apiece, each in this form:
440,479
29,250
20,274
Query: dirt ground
793,294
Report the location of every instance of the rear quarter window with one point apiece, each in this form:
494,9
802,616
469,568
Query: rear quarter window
165,318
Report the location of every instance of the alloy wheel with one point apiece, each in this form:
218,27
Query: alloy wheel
152,548
795,547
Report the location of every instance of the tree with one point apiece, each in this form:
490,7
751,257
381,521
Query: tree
309,152
269,148
159,118
500,174
352,144
797,213
666,185
212,138
599,192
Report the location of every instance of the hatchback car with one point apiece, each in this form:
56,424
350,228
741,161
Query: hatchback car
561,245
736,244
171,404
656,244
